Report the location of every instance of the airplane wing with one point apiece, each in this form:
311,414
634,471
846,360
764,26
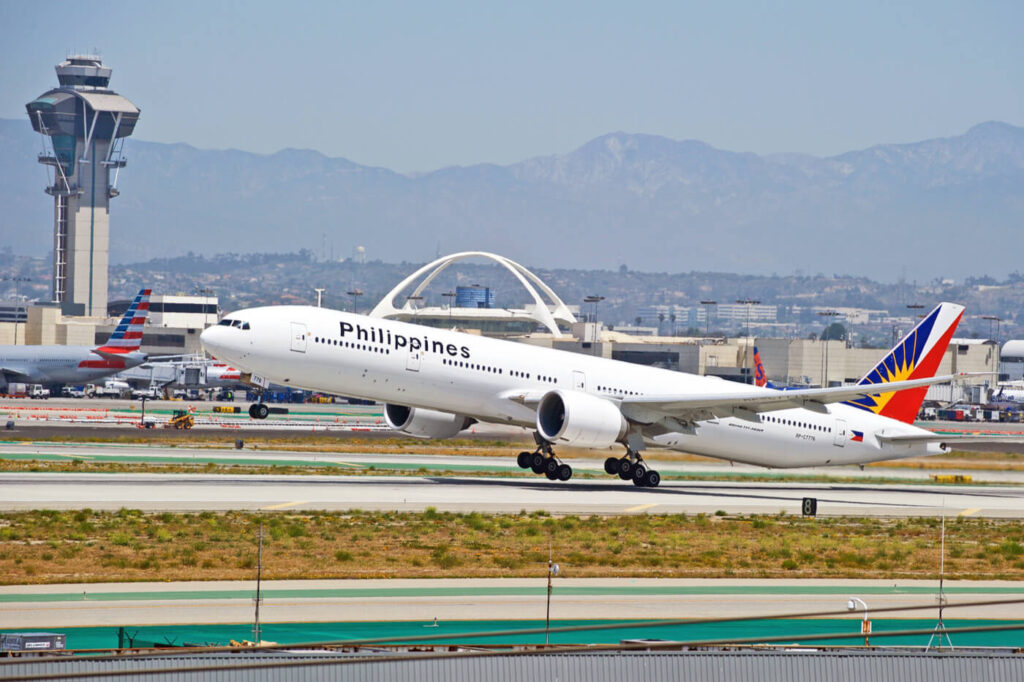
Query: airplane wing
746,404
12,373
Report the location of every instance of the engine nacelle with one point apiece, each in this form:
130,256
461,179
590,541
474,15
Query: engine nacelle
580,419
423,423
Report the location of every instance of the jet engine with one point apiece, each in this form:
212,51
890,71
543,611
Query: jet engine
580,419
423,423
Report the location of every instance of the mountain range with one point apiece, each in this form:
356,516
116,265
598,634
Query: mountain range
944,207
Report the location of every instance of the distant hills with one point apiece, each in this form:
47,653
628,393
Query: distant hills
943,207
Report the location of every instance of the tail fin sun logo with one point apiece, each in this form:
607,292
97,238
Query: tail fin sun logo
916,356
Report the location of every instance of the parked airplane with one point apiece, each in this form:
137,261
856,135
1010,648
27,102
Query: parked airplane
436,383
79,364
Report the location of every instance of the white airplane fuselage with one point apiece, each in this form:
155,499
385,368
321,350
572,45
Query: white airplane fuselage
394,362
71,365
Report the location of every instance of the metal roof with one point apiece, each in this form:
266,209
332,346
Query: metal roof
1013,349
108,102
698,666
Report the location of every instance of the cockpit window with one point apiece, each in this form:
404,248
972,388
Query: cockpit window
245,325
224,323
238,324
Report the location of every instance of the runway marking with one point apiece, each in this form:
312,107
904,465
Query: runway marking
970,512
61,454
285,505
640,507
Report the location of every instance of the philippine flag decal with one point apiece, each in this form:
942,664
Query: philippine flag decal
858,436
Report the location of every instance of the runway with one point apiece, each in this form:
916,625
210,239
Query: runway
42,606
221,492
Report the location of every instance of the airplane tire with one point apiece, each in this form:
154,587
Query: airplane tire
552,475
252,411
537,463
551,467
638,474
523,460
262,411
611,465
638,482
625,469
651,479
564,472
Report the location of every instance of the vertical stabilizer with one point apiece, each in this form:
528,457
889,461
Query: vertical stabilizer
127,337
916,356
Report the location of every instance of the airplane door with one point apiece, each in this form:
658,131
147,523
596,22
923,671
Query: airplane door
579,381
299,335
412,363
840,439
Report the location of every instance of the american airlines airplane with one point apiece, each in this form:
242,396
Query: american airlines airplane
435,383
75,365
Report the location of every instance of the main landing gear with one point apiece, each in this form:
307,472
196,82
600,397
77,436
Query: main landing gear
543,461
259,410
632,467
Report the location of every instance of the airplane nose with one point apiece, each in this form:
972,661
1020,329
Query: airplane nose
212,339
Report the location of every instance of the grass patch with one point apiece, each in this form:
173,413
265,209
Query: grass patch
128,545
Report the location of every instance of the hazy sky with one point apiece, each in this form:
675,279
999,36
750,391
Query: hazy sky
417,86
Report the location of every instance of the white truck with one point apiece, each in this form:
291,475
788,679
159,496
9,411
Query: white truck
111,388
34,391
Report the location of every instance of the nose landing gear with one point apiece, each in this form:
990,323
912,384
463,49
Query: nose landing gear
543,461
259,409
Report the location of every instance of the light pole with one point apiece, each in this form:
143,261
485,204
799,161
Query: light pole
707,315
355,294
450,295
552,572
824,374
991,319
207,292
746,344
593,299
319,296
865,625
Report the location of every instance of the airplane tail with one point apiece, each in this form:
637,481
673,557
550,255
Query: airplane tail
916,356
760,378
127,337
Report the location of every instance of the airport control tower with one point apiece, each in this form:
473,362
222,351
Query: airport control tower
84,126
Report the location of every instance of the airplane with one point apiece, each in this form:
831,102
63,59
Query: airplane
79,364
436,383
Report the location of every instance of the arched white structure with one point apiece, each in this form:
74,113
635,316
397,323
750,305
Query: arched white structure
547,314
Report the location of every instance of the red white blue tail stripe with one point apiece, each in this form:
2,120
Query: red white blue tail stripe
127,337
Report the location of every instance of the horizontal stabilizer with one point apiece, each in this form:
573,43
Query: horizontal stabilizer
948,438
